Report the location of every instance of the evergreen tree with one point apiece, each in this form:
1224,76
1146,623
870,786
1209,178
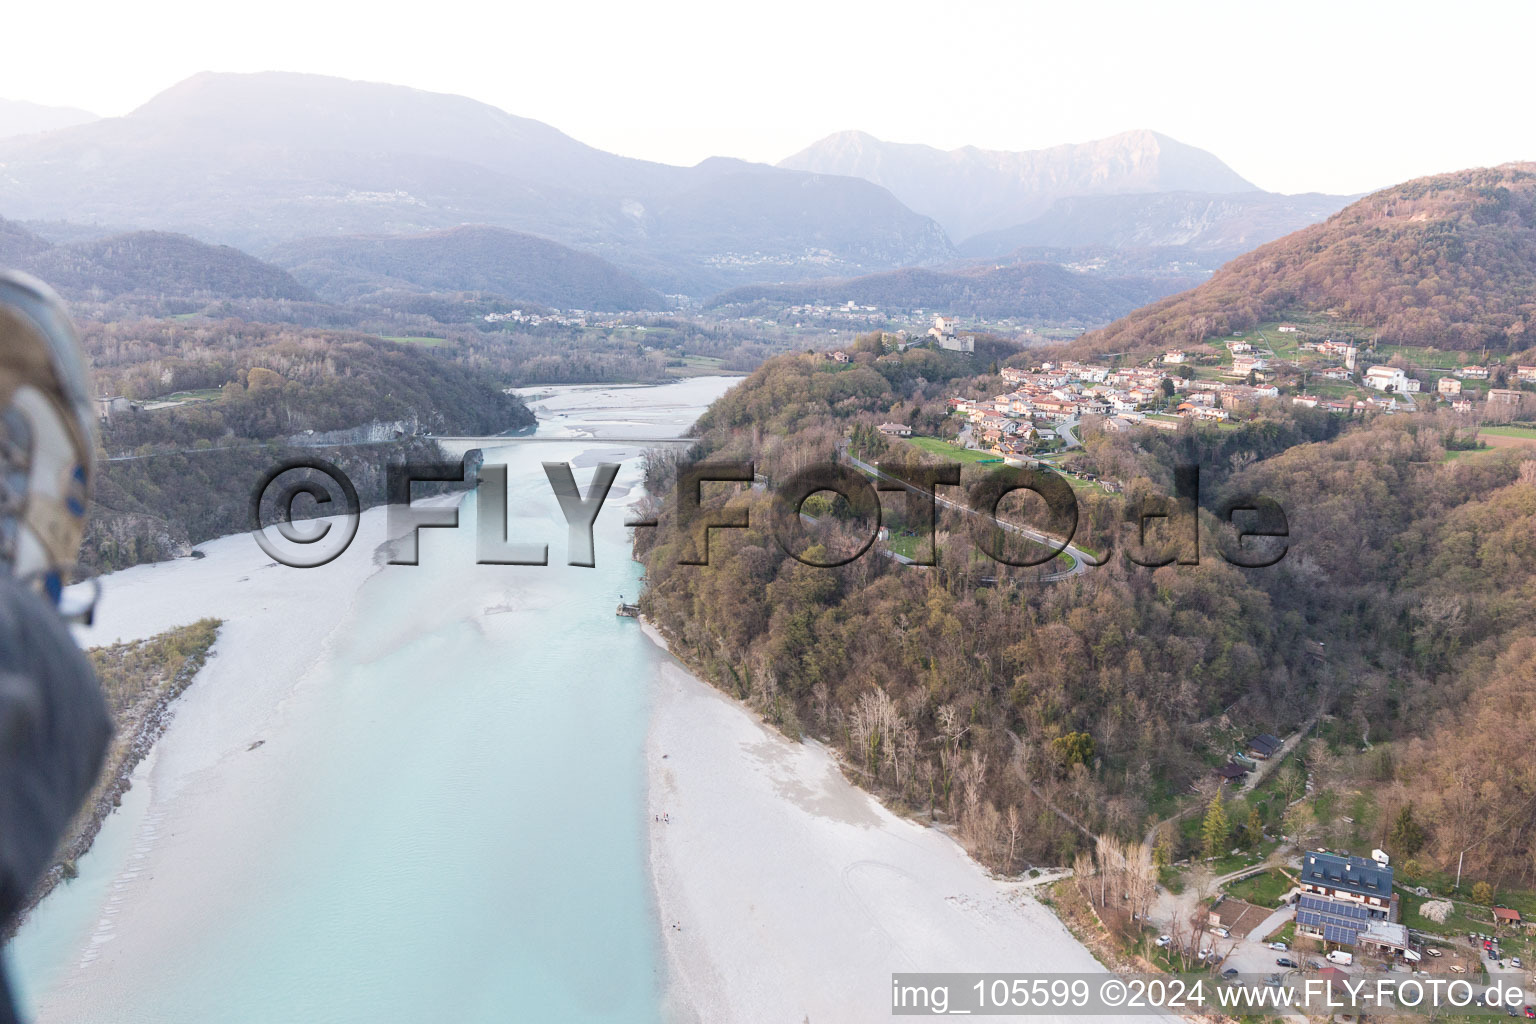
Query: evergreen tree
1073,748
1162,850
1407,836
1216,829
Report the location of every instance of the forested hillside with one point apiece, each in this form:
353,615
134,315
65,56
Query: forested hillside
1448,261
1033,291
1400,618
1421,575
236,398
18,244
149,264
157,263
948,696
515,266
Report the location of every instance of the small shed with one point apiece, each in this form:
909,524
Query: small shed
1231,772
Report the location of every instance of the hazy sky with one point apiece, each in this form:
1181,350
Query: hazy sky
1300,96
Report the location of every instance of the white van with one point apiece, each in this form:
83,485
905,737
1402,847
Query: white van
1340,957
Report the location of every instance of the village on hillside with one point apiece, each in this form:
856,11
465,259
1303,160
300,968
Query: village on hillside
1225,381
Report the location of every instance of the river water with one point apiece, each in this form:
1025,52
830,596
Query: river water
420,799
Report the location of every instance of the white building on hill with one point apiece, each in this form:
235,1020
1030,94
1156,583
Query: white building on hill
1390,378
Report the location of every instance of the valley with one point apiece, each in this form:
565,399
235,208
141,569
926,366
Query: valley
1171,612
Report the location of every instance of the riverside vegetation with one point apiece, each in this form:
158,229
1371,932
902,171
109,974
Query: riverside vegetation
1028,718
244,396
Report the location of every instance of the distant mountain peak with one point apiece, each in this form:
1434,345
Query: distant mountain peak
971,190
18,117
289,109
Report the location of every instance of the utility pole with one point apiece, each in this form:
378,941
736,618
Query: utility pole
1460,855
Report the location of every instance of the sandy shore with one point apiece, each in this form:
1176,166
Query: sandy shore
798,894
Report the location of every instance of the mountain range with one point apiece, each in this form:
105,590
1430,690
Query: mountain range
1138,188
971,190
258,160
1030,291
320,173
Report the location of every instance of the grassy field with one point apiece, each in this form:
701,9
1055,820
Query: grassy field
200,395
1447,359
903,545
1524,433
1086,486
1284,346
906,545
1264,890
944,450
1334,389
1458,922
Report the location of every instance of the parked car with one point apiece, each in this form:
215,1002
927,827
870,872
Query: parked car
1221,933
1279,947
1230,972
1530,1012
1338,956
1163,941
1432,951
1514,962
1458,969
1205,954
1285,961
1316,965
